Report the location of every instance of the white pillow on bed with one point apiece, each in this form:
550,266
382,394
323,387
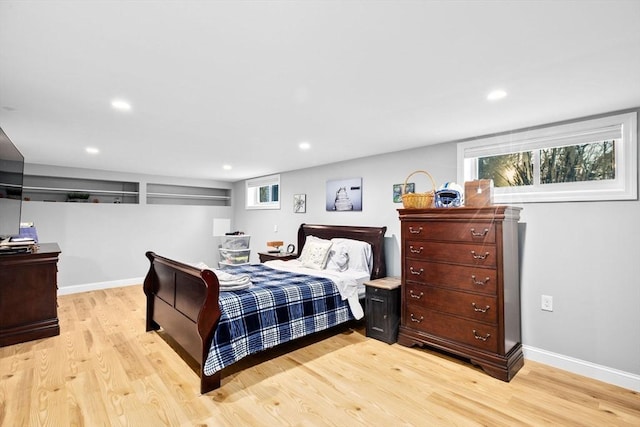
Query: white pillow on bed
338,257
315,253
359,253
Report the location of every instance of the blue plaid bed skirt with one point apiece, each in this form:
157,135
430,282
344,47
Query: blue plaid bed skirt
280,306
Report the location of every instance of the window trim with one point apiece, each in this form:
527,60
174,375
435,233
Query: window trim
622,126
252,191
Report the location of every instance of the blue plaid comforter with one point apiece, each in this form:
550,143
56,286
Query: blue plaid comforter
279,307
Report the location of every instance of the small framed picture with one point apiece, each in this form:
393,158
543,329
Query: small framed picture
397,191
299,203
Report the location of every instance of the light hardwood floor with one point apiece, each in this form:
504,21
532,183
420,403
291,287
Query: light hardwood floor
105,370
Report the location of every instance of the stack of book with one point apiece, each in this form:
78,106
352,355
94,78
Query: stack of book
16,245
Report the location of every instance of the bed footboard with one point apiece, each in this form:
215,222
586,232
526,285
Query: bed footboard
183,301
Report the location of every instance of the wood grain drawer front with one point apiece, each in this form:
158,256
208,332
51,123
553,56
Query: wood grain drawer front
477,232
477,307
458,253
464,278
470,332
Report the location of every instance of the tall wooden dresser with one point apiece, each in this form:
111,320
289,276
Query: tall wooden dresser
460,284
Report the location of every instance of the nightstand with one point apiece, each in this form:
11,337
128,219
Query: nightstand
382,308
270,256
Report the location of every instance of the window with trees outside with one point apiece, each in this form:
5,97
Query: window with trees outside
263,193
588,159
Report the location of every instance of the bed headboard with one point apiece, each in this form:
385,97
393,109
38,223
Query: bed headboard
371,235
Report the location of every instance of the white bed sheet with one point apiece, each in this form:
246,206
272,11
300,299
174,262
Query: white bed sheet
350,284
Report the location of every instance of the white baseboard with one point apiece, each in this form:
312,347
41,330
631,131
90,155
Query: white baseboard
67,290
581,367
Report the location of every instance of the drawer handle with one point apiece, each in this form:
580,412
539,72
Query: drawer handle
480,337
479,256
478,309
415,251
416,296
413,319
479,282
412,231
416,273
482,234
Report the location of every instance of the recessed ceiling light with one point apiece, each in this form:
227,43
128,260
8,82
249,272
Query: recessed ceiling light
92,150
496,94
120,104
226,167
304,145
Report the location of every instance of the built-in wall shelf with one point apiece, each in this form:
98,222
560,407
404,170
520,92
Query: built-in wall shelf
166,194
64,189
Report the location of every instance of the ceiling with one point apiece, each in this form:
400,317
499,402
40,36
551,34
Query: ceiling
242,83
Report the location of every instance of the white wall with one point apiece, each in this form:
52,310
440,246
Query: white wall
105,243
585,255
378,174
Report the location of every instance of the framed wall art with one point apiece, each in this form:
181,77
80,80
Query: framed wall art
344,195
397,191
299,203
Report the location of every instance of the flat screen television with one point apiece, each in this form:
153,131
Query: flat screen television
11,176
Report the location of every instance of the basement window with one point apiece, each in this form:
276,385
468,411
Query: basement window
585,160
263,193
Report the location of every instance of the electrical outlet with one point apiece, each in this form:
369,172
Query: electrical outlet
275,228
546,303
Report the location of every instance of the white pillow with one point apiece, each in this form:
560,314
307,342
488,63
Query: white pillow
338,257
360,254
315,253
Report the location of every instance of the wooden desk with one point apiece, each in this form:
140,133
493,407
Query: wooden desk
28,295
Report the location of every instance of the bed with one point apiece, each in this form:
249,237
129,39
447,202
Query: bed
185,300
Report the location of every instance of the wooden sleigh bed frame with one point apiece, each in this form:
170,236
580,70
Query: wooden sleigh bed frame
183,300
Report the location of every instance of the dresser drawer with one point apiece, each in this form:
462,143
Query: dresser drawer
479,232
469,332
477,307
458,253
460,277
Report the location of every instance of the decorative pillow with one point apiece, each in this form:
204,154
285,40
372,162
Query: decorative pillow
360,254
315,253
338,257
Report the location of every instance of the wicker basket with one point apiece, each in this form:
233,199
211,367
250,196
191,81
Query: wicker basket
418,200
